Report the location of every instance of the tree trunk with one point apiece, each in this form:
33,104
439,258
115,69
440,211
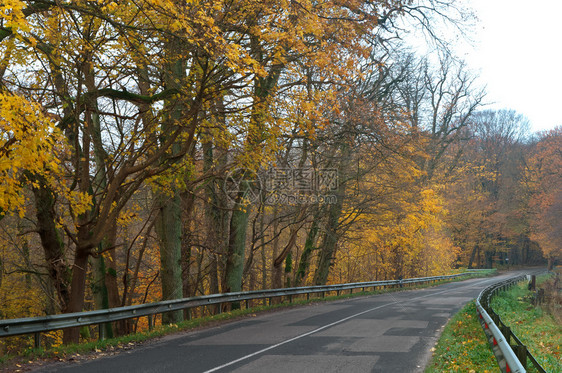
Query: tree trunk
214,273
551,261
330,240
114,300
276,273
304,262
478,257
52,242
188,199
106,291
237,241
280,258
99,289
472,255
216,218
168,228
277,276
489,258
77,291
169,223
263,251
83,240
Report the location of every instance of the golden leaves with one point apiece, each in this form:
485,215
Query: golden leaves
11,12
81,202
28,142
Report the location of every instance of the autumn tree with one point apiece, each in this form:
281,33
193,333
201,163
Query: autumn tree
486,197
301,39
111,124
545,181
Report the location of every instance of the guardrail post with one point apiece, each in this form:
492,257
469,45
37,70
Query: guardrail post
247,303
37,340
506,331
101,331
149,317
521,352
307,296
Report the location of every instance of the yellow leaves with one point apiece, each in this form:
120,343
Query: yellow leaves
176,25
410,231
54,337
81,202
128,217
111,6
11,12
28,142
175,178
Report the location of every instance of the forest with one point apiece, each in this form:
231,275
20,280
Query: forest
160,149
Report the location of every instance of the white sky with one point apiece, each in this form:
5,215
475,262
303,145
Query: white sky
517,53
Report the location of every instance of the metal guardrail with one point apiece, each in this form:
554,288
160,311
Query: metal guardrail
511,357
482,269
37,325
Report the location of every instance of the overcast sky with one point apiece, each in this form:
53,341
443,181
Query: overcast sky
517,52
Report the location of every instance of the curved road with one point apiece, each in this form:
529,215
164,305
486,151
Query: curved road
391,332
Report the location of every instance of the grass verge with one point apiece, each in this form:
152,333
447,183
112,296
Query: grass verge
534,326
126,342
463,346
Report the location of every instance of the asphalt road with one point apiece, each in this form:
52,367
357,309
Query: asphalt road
387,333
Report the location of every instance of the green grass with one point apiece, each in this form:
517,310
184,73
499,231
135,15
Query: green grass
463,346
131,339
536,328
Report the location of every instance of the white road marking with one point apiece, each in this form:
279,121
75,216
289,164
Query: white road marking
335,323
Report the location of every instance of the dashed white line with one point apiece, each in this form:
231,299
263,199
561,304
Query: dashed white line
332,324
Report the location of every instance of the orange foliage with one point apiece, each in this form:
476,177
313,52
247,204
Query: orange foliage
545,173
